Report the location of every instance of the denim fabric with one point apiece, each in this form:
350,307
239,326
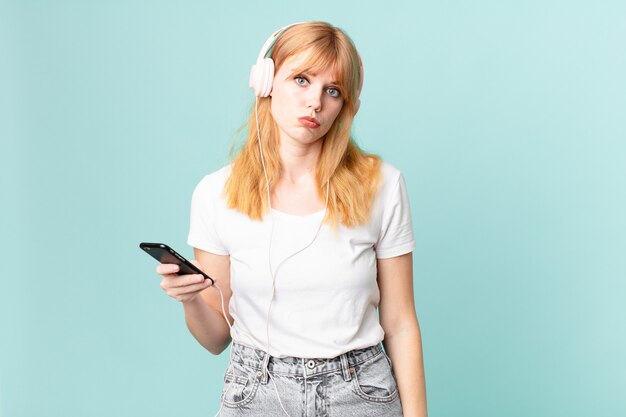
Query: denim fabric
357,383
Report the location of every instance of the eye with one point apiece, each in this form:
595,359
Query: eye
300,80
333,92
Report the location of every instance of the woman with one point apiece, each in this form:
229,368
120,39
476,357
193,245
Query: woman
310,240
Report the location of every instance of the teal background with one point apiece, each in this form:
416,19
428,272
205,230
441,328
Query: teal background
506,118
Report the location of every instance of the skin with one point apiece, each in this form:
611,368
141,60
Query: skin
313,95
310,95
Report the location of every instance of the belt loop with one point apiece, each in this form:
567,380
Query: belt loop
345,367
264,368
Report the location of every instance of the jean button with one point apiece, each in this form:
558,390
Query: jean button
310,364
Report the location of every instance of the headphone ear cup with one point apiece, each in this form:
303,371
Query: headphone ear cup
255,73
262,77
269,76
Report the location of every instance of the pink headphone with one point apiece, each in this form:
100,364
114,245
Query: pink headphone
262,73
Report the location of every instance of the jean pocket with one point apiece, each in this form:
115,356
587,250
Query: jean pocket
240,385
374,381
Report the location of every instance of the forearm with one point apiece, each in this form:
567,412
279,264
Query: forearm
206,325
404,347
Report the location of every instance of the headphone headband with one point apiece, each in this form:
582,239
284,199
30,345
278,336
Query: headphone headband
269,43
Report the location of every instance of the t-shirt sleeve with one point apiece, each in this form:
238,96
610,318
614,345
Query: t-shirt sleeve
202,232
396,234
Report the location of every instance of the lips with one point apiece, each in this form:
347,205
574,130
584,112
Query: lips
309,122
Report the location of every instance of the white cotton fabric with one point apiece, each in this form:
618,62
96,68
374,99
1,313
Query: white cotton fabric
326,296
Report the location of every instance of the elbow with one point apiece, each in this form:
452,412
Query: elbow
218,348
409,326
215,352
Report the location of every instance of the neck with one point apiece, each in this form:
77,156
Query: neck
298,161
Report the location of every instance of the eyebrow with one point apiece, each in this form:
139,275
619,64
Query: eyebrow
311,74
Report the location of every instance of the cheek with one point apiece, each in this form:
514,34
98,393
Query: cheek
277,108
334,113
280,103
330,120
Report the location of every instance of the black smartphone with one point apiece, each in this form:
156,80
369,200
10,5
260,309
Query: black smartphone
166,255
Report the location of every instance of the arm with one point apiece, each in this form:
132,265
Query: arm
203,313
402,341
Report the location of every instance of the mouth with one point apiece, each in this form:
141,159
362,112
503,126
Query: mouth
309,122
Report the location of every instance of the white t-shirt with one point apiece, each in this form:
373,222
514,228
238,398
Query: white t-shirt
326,297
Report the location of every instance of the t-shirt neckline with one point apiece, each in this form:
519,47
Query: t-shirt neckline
298,216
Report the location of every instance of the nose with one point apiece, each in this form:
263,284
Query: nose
314,100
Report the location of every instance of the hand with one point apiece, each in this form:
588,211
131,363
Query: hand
183,288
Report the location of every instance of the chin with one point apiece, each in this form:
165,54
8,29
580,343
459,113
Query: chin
306,137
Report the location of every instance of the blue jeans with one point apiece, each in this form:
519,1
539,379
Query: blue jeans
358,383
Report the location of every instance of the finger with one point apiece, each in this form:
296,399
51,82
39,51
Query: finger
178,281
190,289
163,269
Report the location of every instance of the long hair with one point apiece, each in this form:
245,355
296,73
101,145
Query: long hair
353,175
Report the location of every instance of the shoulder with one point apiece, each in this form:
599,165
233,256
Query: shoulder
389,171
390,178
213,183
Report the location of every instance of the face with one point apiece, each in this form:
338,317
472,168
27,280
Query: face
304,105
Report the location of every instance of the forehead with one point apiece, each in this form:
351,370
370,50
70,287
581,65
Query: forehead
305,62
